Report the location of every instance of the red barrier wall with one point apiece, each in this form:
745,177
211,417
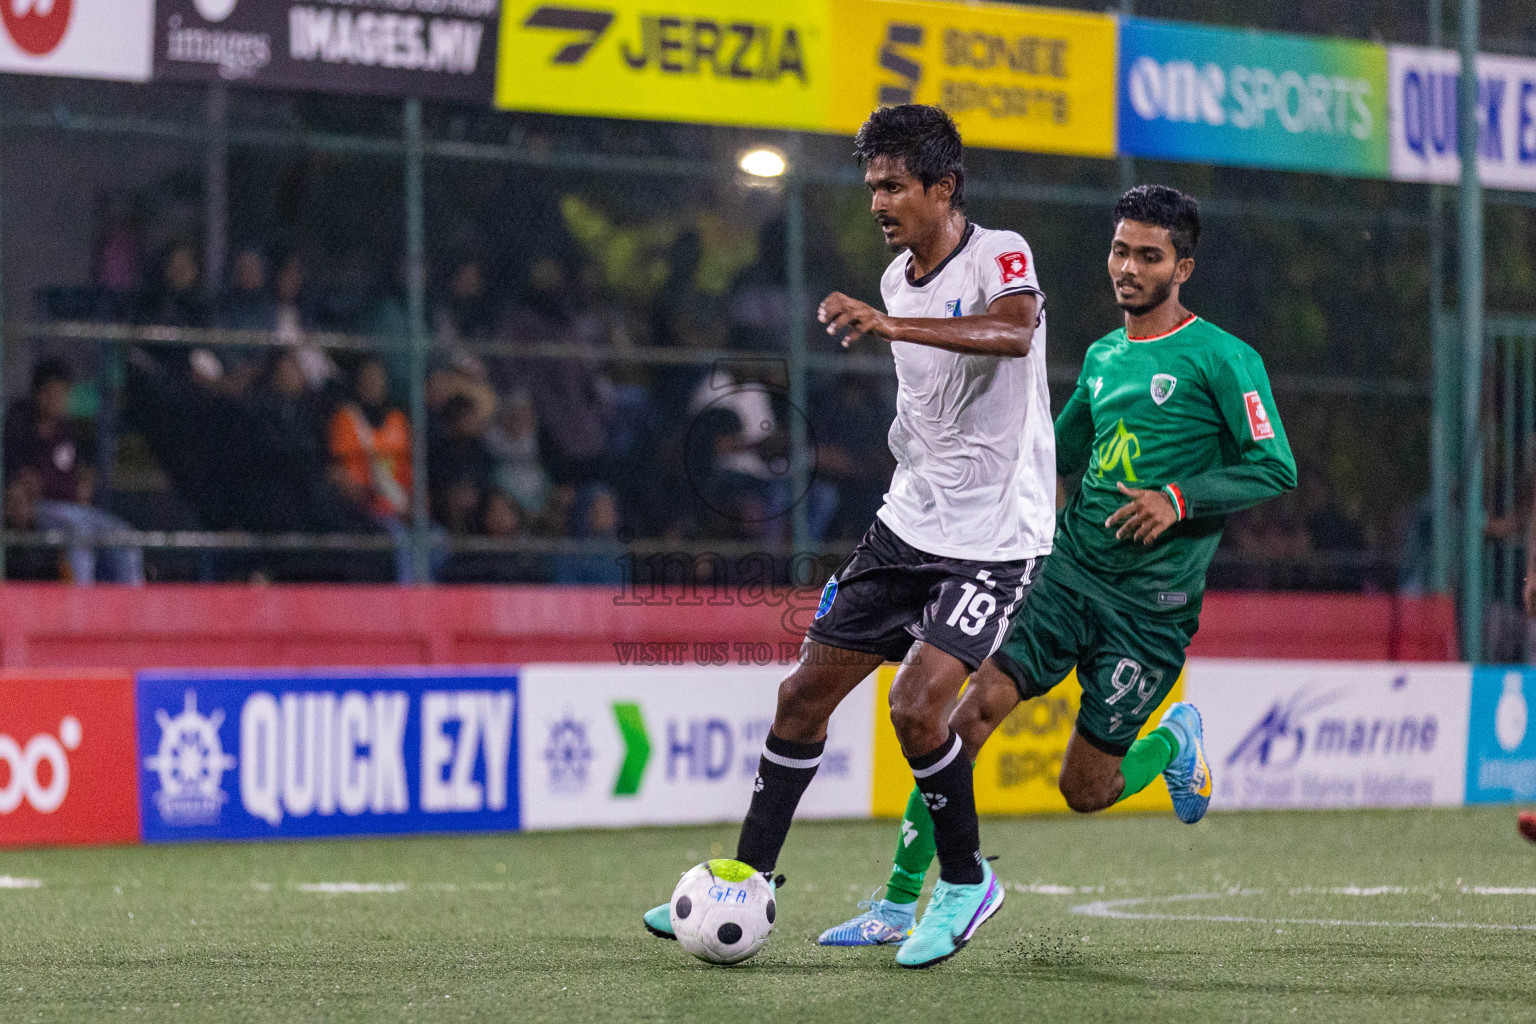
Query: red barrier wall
54,626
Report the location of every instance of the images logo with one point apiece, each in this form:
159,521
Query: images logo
191,764
23,763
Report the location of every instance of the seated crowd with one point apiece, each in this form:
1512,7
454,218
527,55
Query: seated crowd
523,448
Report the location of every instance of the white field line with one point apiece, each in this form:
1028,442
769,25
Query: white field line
1119,910
1355,890
349,888
7,882
1499,890
1045,889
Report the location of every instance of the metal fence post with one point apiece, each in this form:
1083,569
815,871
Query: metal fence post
1470,223
416,306
799,439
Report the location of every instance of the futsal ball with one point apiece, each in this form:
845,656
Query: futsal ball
723,911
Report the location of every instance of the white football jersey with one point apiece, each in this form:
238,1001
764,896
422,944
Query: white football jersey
974,443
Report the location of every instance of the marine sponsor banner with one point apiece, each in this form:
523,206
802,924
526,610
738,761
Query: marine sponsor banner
1018,768
377,752
1012,77
1424,85
66,759
444,49
1333,734
608,745
735,62
1501,740
77,38
1256,99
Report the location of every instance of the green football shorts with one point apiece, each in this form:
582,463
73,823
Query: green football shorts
1127,663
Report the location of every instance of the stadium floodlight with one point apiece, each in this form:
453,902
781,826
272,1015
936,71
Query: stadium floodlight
763,162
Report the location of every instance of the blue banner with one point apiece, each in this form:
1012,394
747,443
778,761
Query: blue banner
250,755
1501,742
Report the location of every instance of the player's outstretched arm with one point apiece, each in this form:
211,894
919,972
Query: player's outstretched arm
1265,467
1006,329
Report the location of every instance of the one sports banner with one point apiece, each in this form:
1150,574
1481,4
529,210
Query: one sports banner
77,38
1018,767
613,745
444,49
67,758
1013,77
1256,99
1296,734
254,755
737,62
1424,117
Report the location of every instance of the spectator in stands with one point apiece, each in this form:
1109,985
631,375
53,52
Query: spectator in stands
499,518
293,320
44,445
760,295
247,306
20,513
747,486
595,519
460,467
466,312
117,265
179,300
1331,533
852,458
370,442
513,441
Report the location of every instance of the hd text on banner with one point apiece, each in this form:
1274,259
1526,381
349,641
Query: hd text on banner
1424,133
1013,77
1256,99
608,745
292,755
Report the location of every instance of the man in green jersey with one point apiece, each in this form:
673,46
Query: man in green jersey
1174,421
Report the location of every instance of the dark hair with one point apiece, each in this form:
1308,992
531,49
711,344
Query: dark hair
51,371
1164,207
924,138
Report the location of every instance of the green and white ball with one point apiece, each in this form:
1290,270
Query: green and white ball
723,911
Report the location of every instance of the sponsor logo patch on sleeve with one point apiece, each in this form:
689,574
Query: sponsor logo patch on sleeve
1014,265
1258,417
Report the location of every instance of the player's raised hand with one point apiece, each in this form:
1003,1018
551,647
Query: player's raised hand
851,318
1144,518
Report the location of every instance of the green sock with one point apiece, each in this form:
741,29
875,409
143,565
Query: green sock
914,852
1146,760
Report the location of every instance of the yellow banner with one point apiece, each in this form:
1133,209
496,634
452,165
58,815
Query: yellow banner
735,62
1011,77
1018,767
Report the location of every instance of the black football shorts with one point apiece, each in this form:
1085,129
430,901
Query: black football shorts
888,595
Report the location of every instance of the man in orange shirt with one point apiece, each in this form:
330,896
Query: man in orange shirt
371,443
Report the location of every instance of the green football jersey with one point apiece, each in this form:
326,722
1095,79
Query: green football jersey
1189,412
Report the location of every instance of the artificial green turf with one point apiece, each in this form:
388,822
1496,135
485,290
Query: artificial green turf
546,927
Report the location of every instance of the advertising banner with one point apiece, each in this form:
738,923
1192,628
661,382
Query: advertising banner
282,756
738,62
1254,99
1424,135
607,745
1018,768
1501,743
1012,77
443,49
1333,734
66,759
77,38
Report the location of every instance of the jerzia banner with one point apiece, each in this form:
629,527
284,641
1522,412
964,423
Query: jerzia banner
442,49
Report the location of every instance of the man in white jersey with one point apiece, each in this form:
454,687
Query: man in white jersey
969,515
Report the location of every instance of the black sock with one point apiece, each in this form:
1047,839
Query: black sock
944,778
782,774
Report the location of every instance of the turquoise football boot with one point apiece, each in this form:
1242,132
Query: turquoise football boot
1189,776
881,924
950,919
